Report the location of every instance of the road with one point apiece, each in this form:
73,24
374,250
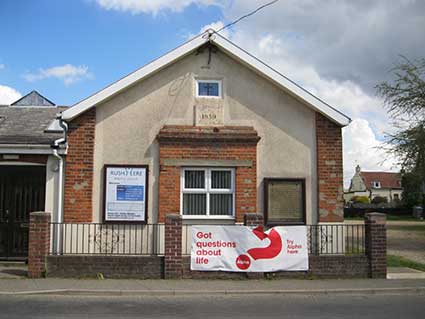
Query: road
246,306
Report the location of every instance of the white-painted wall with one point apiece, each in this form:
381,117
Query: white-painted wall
127,124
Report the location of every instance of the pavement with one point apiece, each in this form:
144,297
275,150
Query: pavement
122,287
13,281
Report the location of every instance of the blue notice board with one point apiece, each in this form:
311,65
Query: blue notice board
133,193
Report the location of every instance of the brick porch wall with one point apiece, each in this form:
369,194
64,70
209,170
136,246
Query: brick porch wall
79,168
329,170
229,144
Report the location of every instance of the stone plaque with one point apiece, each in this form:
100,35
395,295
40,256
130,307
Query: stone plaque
285,201
209,115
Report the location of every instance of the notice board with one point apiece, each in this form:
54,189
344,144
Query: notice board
125,193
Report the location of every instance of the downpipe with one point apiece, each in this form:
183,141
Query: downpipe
57,244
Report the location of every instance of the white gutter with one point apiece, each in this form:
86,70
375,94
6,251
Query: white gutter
55,147
43,149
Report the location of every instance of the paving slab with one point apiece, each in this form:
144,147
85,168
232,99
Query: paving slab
404,273
13,270
174,287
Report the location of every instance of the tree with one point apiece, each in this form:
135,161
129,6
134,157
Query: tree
404,99
411,189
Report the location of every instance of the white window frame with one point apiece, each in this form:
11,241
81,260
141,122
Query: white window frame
220,85
376,184
207,190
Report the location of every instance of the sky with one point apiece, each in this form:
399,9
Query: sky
337,49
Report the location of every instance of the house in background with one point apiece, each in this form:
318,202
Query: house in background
374,184
28,168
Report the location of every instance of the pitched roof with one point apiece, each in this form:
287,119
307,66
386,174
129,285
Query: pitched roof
387,179
27,125
33,99
232,50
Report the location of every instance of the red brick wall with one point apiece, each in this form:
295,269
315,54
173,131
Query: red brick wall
79,168
229,148
329,170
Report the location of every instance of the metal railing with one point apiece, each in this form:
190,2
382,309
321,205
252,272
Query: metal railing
107,239
336,239
332,239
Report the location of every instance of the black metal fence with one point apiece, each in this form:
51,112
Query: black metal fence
125,239
336,239
325,239
107,239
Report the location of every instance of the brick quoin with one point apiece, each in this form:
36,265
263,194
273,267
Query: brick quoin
39,243
79,168
329,170
195,143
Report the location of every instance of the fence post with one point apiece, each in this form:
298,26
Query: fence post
254,220
39,243
173,247
376,244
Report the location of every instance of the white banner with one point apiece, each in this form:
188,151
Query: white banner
243,249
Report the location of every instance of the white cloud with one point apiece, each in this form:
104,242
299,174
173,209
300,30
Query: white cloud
2,66
153,6
68,73
8,95
362,148
363,135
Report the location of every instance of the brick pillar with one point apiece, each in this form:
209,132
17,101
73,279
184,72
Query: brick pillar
173,247
376,244
39,243
253,219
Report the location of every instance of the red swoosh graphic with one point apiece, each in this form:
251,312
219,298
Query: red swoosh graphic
270,251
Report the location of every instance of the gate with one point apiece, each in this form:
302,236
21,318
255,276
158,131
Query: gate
22,190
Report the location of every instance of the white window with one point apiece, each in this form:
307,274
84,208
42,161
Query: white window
208,88
376,184
208,192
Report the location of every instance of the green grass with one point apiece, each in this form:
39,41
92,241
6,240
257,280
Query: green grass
397,261
396,217
391,217
409,228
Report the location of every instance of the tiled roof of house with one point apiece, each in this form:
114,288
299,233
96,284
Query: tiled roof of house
27,125
386,179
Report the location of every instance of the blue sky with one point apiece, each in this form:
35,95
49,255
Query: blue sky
43,34
337,49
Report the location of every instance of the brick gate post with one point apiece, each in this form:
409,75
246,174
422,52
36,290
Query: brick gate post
253,220
39,243
173,247
376,244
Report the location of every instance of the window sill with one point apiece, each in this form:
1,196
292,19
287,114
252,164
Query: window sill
208,217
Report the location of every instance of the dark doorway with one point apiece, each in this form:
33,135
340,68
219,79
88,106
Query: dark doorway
22,190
